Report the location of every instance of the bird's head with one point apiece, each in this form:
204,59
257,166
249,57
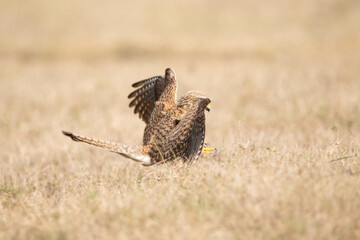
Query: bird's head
196,98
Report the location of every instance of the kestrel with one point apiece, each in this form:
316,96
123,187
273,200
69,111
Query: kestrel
175,129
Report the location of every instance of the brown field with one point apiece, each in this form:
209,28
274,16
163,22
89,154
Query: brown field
284,79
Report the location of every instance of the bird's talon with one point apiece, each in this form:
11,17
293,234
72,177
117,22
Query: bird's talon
208,150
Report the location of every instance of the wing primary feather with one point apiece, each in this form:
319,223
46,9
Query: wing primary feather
144,106
143,101
144,97
141,91
140,98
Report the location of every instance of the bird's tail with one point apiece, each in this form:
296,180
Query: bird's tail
136,153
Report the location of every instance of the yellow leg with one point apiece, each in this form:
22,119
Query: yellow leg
207,149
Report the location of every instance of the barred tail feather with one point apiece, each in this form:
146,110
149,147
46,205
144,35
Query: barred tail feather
133,152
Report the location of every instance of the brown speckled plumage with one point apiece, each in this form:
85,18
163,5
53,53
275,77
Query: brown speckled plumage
174,129
153,99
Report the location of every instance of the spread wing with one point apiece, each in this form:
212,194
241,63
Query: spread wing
144,97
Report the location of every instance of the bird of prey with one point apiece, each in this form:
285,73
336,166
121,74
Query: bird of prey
175,129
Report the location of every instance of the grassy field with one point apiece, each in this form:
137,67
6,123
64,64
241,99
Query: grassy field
284,79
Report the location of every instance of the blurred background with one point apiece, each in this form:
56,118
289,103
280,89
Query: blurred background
264,65
93,30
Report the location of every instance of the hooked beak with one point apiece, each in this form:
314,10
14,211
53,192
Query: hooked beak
208,107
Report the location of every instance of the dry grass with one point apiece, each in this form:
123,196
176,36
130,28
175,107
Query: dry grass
284,81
